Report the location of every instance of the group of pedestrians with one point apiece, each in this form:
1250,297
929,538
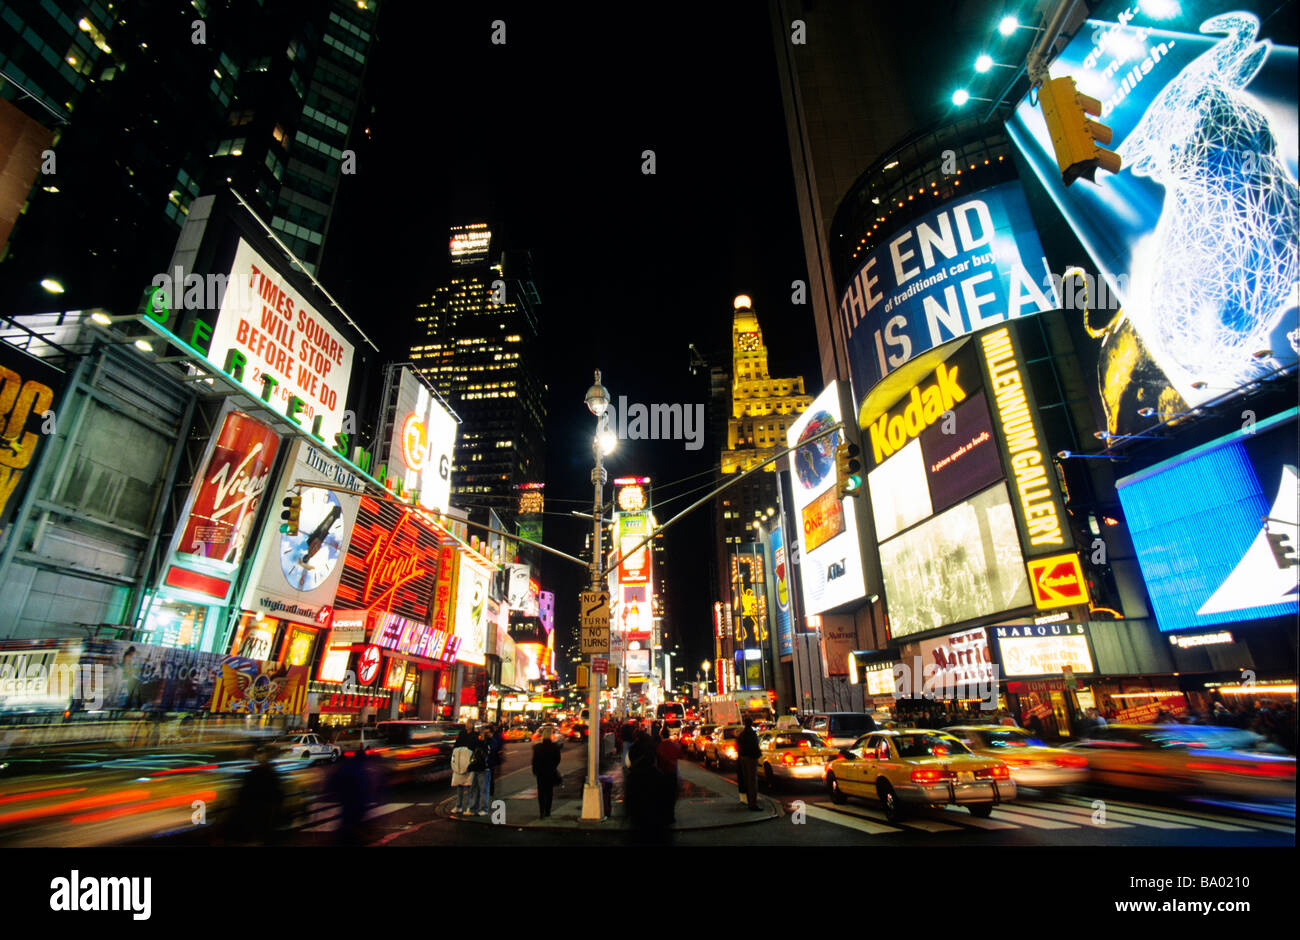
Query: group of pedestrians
476,761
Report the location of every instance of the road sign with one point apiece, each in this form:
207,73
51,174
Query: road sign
599,664
593,622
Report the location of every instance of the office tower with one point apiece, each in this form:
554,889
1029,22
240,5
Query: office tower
154,104
476,339
761,409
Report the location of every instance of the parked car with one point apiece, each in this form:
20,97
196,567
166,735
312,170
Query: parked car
913,768
308,747
793,755
840,729
1188,759
1031,762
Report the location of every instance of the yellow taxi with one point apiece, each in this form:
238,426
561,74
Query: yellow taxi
790,754
917,767
1031,762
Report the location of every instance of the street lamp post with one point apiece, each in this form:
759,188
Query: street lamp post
705,666
597,399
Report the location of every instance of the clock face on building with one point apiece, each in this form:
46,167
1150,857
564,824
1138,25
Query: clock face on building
309,557
748,341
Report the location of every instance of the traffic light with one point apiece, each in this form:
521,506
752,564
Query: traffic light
292,509
848,470
1075,138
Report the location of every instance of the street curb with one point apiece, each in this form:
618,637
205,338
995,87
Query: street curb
775,811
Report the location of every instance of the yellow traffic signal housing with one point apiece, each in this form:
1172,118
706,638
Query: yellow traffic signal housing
292,509
848,470
1076,140
581,680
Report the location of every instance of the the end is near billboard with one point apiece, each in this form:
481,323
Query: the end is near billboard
268,334
973,263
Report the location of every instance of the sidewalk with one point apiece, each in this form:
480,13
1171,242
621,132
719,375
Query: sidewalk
703,802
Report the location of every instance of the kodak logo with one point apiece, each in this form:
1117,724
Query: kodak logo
925,406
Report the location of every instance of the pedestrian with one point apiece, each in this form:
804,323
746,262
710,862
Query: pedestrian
354,784
260,803
748,753
546,768
628,737
496,746
462,778
478,766
667,755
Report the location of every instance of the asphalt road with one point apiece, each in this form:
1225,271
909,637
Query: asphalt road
409,816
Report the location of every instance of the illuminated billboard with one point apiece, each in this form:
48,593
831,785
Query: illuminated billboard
961,564
470,243
633,527
1196,233
1043,650
422,444
781,575
974,262
1215,528
473,581
299,574
959,659
392,562
268,326
830,556
29,388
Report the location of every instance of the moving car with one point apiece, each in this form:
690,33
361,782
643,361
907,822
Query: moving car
700,740
917,768
517,733
354,739
554,732
417,751
1188,759
793,755
720,748
308,747
1031,762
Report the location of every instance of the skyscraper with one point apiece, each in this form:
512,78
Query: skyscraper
476,340
155,104
762,407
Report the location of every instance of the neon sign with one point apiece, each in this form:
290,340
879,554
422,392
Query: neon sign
392,562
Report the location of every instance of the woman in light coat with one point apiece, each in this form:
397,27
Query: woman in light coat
462,778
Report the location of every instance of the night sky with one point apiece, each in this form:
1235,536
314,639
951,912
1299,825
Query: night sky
542,138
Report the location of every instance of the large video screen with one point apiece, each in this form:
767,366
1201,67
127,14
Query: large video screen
899,496
1215,529
962,564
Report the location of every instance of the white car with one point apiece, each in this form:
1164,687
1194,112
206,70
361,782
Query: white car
308,747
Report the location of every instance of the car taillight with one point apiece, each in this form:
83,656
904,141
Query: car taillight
731,752
930,775
996,772
1071,760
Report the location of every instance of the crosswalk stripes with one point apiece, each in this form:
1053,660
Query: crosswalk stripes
329,818
1191,817
1067,813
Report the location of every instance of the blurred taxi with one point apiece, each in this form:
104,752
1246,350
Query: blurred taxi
700,739
793,755
517,733
720,748
1031,762
549,730
915,768
1188,759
